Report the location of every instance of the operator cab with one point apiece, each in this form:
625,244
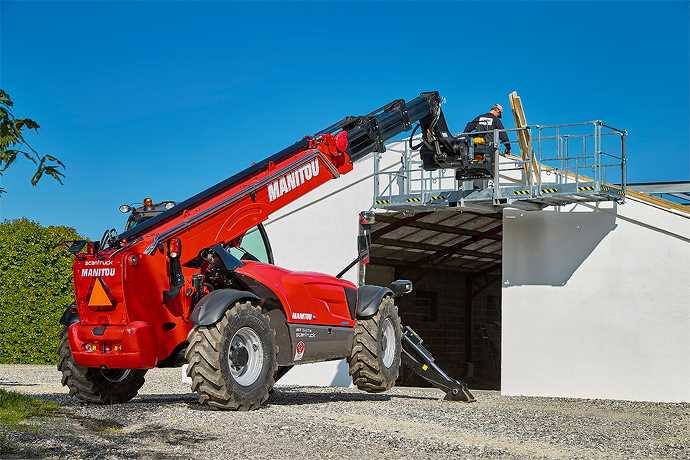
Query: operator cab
145,212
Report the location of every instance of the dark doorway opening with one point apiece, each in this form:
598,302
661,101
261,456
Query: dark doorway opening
454,260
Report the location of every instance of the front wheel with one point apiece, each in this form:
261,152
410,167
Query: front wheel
232,363
98,386
375,357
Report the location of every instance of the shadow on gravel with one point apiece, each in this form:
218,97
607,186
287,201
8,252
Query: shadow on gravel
73,436
422,398
65,400
10,383
163,398
296,397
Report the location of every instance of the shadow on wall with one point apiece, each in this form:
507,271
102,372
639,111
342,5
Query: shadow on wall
547,247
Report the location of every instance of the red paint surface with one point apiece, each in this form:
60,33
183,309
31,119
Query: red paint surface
148,328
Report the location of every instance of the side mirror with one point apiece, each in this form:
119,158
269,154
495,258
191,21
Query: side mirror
400,287
76,246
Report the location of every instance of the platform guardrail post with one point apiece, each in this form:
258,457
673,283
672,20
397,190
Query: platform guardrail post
597,155
376,176
624,163
406,168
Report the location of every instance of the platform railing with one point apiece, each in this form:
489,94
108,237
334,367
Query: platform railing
586,158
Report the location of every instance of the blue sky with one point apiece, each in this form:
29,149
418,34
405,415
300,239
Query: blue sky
164,99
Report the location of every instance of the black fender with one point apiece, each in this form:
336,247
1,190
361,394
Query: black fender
213,305
369,298
70,315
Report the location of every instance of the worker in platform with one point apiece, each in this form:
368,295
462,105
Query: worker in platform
490,121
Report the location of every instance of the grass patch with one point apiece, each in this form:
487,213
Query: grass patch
15,407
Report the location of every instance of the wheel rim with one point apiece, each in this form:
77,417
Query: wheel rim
388,342
115,375
245,356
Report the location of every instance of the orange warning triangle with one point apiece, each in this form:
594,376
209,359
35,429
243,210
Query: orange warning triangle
99,297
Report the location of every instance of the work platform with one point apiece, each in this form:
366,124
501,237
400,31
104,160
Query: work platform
564,164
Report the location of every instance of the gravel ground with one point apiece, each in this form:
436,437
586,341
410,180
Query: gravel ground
166,421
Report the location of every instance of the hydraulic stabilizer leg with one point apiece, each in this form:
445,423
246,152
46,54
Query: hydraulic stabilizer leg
420,360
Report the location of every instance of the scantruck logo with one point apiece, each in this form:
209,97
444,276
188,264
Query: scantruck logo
292,180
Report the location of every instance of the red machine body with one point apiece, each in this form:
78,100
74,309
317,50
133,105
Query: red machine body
142,327
306,297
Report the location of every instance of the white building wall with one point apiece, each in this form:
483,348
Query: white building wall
596,303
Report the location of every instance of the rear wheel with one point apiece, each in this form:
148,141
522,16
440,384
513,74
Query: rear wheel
375,357
233,362
98,386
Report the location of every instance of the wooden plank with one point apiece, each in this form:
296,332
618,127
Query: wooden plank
435,248
438,227
410,264
524,136
394,223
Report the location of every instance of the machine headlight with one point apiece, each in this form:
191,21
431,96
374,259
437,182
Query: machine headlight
125,208
169,205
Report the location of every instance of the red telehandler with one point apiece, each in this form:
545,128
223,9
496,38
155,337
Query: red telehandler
194,283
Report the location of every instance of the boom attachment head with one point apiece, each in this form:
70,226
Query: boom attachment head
471,156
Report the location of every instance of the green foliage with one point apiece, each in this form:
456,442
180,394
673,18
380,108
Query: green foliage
15,407
13,144
36,280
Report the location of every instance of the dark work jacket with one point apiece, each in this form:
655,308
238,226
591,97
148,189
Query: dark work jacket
488,122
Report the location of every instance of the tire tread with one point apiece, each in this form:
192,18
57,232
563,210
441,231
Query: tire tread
204,354
365,364
86,384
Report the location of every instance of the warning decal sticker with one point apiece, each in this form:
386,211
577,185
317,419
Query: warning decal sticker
299,351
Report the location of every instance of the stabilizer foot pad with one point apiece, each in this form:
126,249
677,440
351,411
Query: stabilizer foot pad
462,394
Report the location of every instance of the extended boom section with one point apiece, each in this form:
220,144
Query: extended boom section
333,150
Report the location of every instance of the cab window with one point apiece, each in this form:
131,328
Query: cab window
254,246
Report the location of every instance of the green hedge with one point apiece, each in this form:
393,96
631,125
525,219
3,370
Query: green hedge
35,288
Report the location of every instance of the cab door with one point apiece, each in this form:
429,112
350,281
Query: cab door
254,246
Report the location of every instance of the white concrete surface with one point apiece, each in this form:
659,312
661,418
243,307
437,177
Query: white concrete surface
596,303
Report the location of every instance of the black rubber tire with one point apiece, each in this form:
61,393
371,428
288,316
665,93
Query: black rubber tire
366,359
207,356
89,384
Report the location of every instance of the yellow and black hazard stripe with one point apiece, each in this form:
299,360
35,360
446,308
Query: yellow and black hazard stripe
438,197
414,200
383,201
613,190
585,188
618,191
521,192
549,190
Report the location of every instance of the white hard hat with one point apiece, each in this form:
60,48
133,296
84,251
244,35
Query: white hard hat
497,106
